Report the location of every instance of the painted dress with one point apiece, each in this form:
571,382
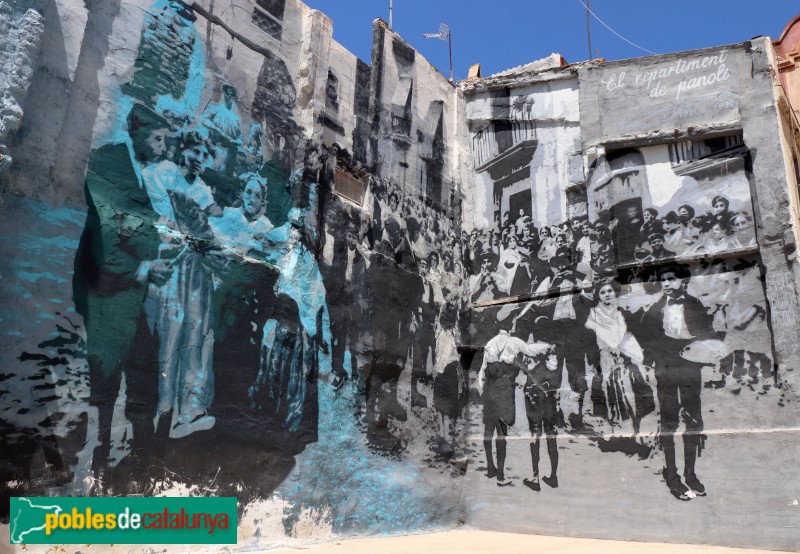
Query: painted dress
620,357
180,311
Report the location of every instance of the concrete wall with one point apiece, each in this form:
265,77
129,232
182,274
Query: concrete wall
242,262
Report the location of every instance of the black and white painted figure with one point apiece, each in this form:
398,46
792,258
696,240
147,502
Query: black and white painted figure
393,237
719,238
685,214
450,390
602,253
657,250
625,226
120,224
497,382
670,327
673,232
582,250
423,325
347,270
483,286
565,328
651,225
543,380
743,318
742,225
621,377
720,206
508,267
387,342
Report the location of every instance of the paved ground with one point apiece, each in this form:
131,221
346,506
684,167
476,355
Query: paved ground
470,541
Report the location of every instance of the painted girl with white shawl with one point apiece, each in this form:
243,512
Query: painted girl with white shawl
621,359
180,311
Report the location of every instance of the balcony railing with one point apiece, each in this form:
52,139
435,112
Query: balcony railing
498,137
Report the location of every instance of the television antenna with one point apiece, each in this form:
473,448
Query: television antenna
444,35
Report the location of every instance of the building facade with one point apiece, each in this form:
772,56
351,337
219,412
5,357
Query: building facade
242,262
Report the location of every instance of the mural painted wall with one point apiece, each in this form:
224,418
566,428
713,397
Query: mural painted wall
241,261
234,296
522,142
628,359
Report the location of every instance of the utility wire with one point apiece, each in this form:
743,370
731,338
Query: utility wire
603,23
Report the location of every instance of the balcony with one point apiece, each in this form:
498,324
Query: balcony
701,159
505,149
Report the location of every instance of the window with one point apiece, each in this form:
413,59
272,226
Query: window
332,92
268,16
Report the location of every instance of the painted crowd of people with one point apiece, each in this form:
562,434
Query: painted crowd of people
626,351
517,257
190,258
396,304
608,313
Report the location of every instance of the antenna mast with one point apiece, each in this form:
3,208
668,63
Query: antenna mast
444,35
588,32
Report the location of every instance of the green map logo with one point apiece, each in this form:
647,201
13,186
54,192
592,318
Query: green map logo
42,520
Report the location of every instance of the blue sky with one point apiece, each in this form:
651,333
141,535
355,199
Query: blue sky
500,34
